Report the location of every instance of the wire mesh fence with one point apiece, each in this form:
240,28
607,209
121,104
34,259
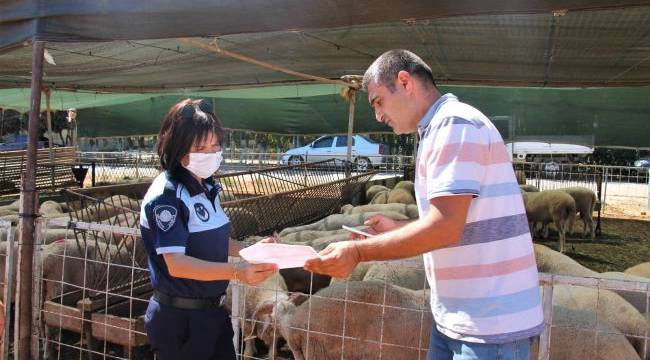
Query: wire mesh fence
381,312
628,187
7,280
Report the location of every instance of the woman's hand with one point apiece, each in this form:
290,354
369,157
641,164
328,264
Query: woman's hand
273,239
253,274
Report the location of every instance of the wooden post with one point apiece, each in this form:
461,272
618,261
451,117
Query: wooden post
28,211
352,93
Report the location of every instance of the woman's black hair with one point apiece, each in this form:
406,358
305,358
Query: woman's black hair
186,122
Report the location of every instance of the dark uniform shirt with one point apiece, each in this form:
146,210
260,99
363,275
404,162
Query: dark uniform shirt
179,215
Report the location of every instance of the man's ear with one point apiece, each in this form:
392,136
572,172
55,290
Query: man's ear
404,79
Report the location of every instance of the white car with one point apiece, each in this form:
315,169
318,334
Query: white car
366,152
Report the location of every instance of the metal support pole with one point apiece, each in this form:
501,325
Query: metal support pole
352,92
48,114
28,211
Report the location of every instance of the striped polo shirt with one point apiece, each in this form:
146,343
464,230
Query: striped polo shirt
485,288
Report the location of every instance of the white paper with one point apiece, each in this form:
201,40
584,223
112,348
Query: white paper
284,255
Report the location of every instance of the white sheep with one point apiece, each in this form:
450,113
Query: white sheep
549,206
409,210
255,306
585,200
377,316
577,335
607,306
642,269
335,221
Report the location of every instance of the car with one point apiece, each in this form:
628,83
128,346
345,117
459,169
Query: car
643,163
366,152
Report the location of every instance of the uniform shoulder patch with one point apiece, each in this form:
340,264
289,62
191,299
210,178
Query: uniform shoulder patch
165,216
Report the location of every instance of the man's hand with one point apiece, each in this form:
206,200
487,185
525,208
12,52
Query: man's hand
337,260
253,274
377,224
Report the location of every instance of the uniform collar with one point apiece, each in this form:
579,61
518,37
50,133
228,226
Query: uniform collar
189,181
428,116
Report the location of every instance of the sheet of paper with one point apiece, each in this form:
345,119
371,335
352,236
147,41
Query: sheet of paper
285,256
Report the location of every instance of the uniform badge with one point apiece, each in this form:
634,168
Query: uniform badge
165,216
201,212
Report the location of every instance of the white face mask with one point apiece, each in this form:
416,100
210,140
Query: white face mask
204,165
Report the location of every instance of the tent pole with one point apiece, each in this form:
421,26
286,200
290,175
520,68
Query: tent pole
215,49
48,113
352,96
28,211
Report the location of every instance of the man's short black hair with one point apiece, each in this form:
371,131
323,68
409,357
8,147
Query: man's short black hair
383,71
187,121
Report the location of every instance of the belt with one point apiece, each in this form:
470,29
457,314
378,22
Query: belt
189,303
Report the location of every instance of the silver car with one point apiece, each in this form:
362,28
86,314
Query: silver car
366,152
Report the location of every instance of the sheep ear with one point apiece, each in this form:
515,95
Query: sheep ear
298,298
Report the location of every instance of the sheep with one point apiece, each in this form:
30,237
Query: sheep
108,208
374,190
334,222
50,209
67,266
357,274
409,210
306,236
254,303
642,269
405,322
407,273
574,334
3,269
607,306
528,188
638,299
551,206
585,200
551,261
12,218
5,212
406,185
380,198
400,196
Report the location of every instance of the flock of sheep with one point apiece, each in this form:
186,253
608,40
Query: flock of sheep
383,307
387,302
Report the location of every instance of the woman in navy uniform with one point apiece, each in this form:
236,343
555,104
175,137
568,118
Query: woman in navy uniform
186,235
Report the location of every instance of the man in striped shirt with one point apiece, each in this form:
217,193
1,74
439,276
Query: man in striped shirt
472,228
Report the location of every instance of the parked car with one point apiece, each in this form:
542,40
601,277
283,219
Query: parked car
366,152
643,162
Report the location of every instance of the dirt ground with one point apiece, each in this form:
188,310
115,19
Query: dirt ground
624,242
